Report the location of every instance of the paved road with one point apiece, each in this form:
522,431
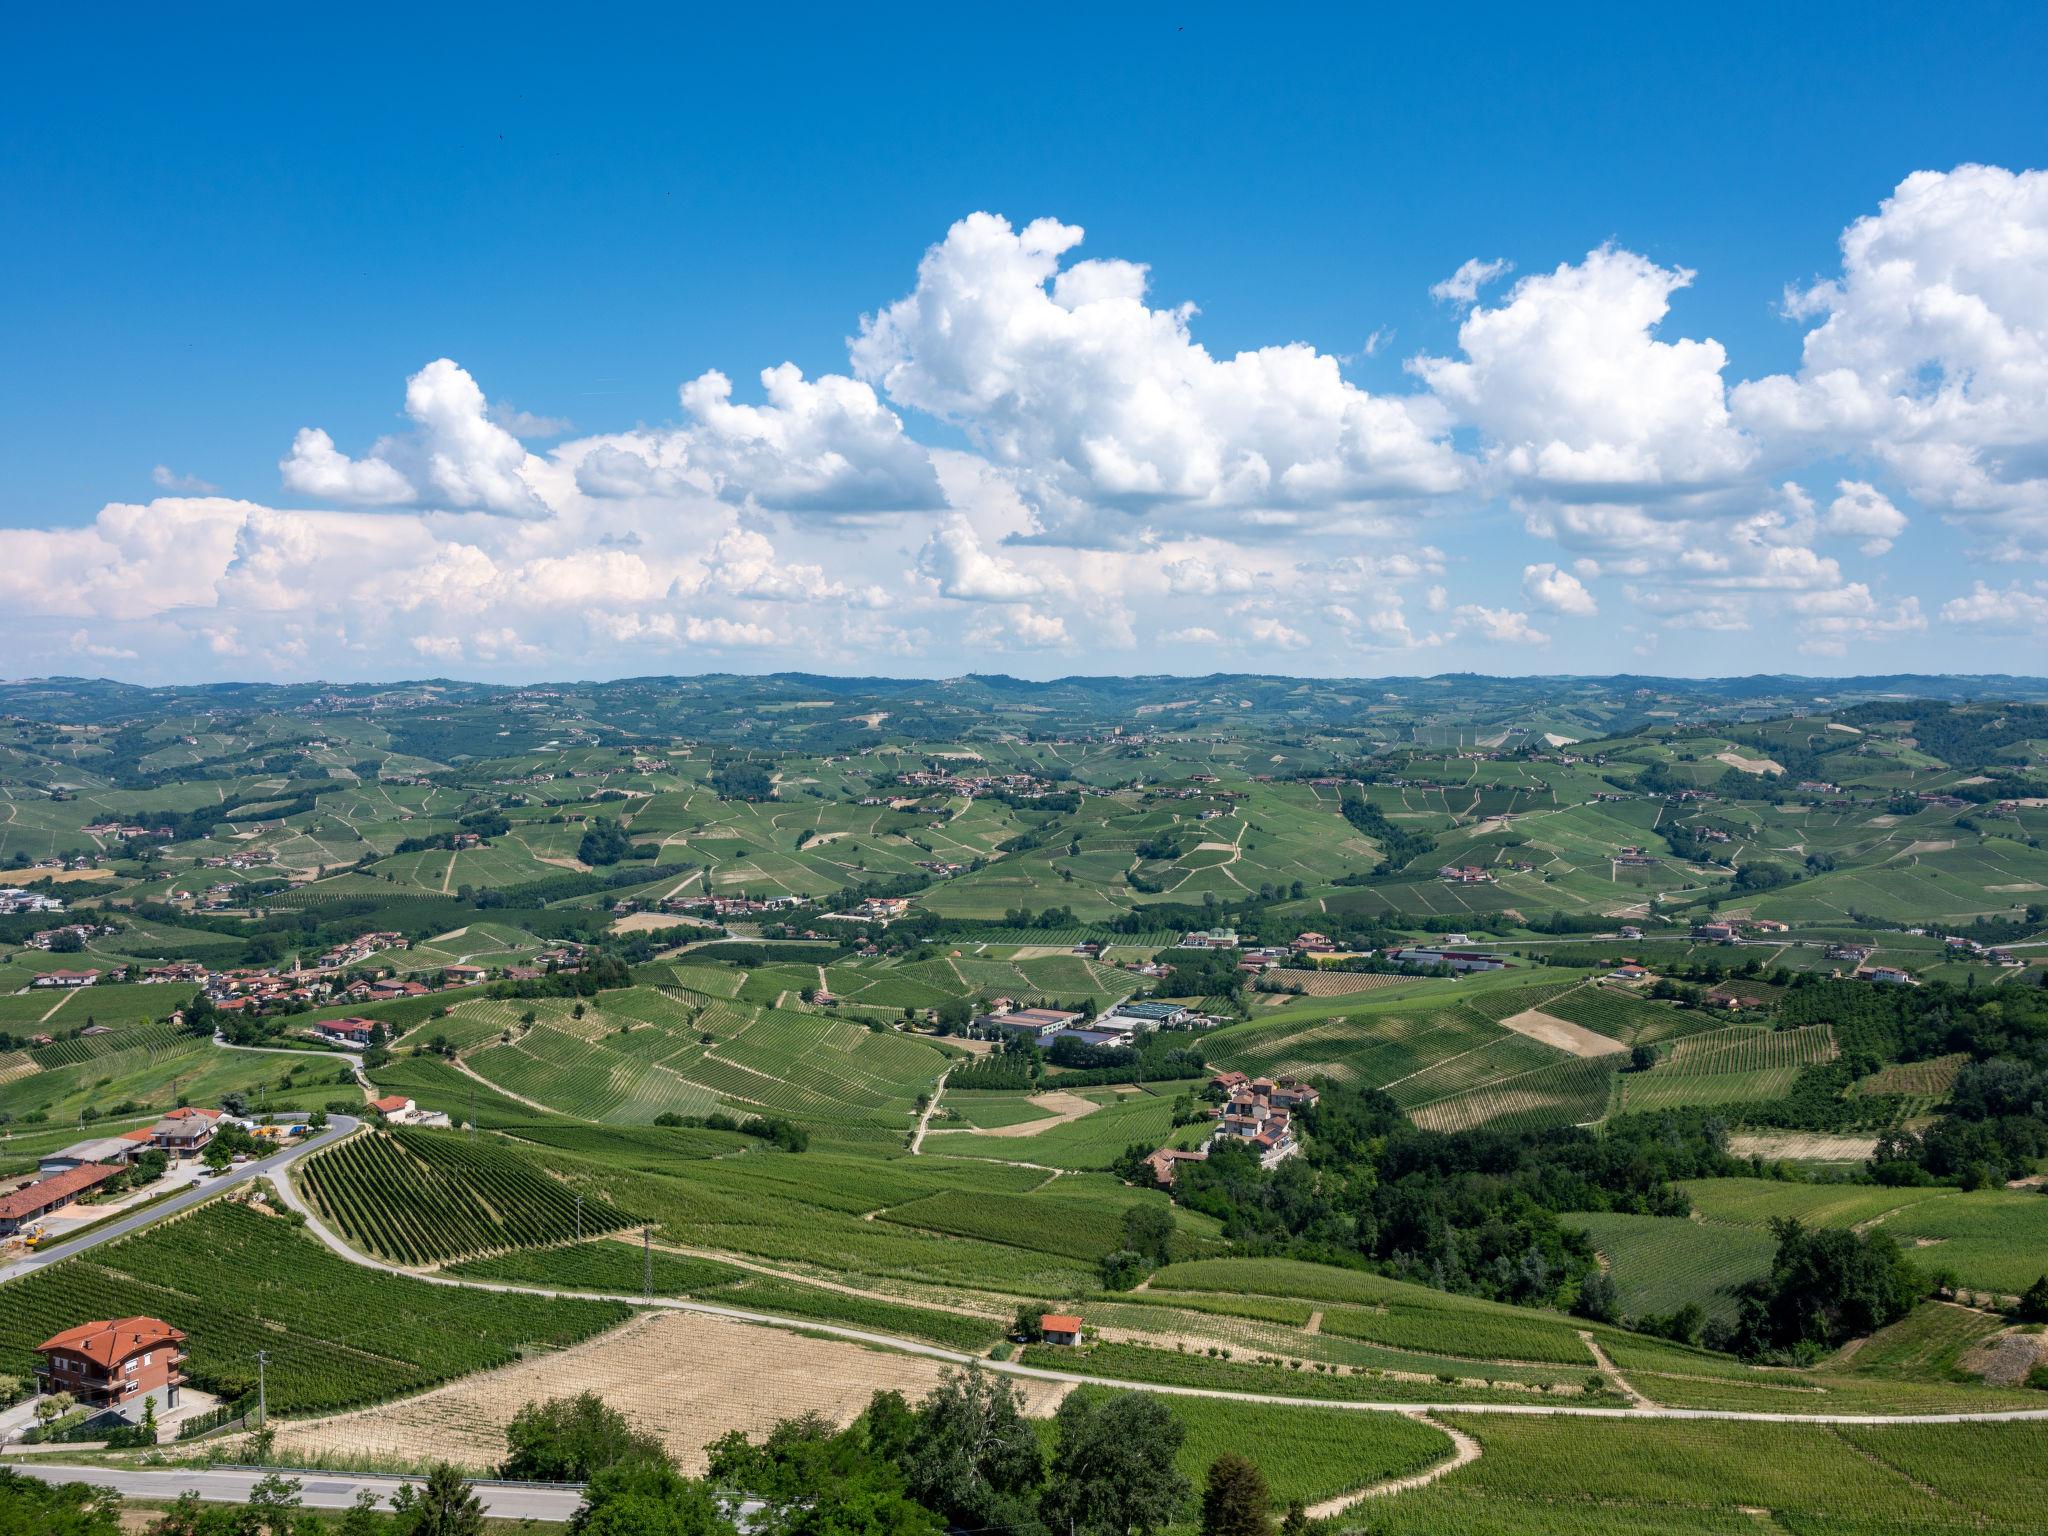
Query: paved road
319,1490
339,1125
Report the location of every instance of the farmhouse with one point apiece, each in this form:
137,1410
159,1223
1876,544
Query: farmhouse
118,1364
1463,874
1060,1328
1716,933
352,1033
83,1154
1209,938
184,1132
465,975
67,979
1162,1163
34,1201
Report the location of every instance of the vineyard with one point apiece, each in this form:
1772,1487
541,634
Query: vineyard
337,1334
1737,1065
1619,1015
1320,983
1924,1080
1547,1477
1659,1263
418,1197
1561,1093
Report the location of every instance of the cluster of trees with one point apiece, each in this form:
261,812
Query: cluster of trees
444,1504
963,1459
606,842
1399,846
740,778
786,1134
1472,1211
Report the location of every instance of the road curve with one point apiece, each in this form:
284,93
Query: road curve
338,1126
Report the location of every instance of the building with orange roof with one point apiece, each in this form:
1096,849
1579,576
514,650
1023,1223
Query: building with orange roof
117,1363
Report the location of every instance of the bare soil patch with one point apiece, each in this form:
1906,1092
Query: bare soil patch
639,922
1562,1034
1750,764
1059,1107
674,1375
1801,1147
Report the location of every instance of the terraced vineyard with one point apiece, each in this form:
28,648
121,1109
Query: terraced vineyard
1553,1094
1736,1065
423,1196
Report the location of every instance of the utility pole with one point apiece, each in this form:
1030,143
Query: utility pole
647,1263
262,1392
579,1218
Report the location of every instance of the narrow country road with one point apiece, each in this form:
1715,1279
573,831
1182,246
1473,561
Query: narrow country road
338,1126
931,1108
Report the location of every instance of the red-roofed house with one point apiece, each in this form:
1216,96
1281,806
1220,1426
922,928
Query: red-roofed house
115,1364
33,1201
1060,1328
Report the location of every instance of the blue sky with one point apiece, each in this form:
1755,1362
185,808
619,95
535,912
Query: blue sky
229,229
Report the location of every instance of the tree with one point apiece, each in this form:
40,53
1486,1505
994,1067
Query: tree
1642,1057
31,1507
317,1120
972,1457
648,1498
274,1503
1599,1298
1113,1467
1235,1502
2034,1304
362,1518
1296,1521
569,1439
54,1406
1826,1287
1148,1230
445,1506
217,1157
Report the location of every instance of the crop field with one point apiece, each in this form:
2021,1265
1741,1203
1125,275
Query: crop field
1622,1015
1093,1141
326,1323
1927,1080
644,1053
1305,1454
1739,1064
620,1268
674,1375
1556,1093
1547,1477
1659,1263
1318,983
420,1196
1392,1312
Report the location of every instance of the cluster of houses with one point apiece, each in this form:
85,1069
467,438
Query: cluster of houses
723,906
1960,948
246,858
117,829
48,938
1464,874
76,1171
1260,1110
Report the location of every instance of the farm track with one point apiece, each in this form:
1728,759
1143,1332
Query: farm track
291,1197
1464,1451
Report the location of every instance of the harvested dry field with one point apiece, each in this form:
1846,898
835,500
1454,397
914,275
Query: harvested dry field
1802,1146
1561,1034
1334,983
683,1377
